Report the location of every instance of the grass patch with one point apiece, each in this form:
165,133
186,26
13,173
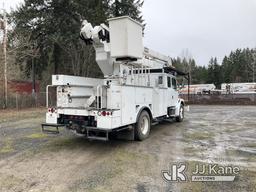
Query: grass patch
107,174
123,156
199,135
239,153
192,150
66,143
37,136
14,115
99,180
234,130
8,182
251,145
7,147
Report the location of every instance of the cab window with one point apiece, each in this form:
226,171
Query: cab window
169,82
174,84
160,80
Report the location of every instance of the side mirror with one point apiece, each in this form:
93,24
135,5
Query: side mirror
180,86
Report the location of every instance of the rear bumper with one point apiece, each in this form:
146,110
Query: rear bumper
92,133
82,117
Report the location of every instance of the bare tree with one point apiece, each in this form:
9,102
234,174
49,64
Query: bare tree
81,57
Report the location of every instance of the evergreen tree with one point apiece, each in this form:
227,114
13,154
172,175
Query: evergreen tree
214,73
238,66
46,33
129,8
52,28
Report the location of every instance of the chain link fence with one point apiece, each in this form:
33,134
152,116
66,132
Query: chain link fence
24,100
21,101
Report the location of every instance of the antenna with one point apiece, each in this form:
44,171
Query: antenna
185,54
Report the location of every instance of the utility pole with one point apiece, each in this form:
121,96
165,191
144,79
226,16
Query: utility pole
253,66
185,54
253,73
33,74
5,58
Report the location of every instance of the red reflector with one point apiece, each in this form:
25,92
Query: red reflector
49,110
108,113
103,113
52,110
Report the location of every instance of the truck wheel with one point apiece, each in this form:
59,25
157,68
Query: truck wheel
180,118
142,127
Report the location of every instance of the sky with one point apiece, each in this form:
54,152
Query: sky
8,4
206,28
203,28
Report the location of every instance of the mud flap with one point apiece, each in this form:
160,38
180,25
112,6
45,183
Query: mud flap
127,134
96,134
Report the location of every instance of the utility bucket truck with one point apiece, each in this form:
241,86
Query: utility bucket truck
139,86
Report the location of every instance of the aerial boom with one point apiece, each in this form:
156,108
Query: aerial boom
111,53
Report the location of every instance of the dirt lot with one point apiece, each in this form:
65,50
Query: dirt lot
32,161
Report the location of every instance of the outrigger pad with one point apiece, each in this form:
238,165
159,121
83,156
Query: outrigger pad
50,131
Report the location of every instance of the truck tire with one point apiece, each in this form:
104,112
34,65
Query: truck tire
180,118
142,127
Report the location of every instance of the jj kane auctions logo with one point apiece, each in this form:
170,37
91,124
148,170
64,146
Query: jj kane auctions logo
201,172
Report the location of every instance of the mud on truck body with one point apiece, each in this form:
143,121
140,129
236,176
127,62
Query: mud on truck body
139,86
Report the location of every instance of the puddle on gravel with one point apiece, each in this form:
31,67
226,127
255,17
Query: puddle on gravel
219,136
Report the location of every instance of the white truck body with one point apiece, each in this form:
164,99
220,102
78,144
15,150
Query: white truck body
238,88
124,101
197,89
135,82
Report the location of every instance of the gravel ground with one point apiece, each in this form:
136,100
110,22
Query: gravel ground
32,161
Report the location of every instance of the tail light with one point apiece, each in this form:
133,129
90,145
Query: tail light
105,113
51,110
